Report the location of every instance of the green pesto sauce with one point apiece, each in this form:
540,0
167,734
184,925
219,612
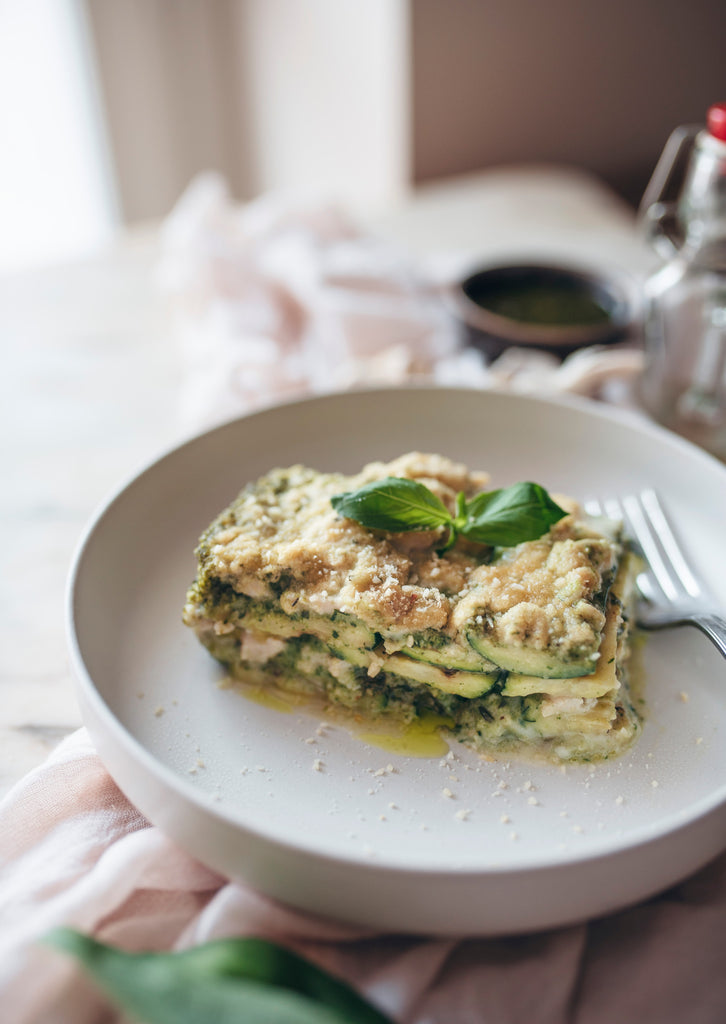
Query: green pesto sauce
545,303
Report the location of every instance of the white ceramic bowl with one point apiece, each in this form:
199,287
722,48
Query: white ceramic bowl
371,837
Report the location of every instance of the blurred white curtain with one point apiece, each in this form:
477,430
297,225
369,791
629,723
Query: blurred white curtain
273,94
57,194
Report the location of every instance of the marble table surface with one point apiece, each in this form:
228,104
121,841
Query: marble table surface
91,387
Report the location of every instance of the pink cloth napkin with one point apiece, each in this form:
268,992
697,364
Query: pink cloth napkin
74,851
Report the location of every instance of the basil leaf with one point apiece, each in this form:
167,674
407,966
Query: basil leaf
500,518
396,504
226,981
511,515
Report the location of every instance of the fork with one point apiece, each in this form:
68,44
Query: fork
672,592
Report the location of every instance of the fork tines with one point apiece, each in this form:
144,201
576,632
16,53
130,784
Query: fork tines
646,523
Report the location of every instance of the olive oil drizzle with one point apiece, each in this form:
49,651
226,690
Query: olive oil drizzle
422,738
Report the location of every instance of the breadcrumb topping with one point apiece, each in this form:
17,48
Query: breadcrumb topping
282,538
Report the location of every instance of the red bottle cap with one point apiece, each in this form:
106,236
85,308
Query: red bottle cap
716,121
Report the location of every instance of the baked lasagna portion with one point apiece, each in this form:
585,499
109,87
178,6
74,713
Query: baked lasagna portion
517,649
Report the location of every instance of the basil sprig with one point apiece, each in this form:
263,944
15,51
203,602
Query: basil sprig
226,981
501,518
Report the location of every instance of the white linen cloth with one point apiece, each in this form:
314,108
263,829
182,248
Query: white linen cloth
271,301
286,296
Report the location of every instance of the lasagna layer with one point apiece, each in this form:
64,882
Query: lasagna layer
521,648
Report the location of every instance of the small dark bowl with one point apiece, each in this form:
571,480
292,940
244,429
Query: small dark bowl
553,308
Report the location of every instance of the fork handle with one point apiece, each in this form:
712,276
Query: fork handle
714,627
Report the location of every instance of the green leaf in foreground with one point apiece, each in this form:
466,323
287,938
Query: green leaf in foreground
394,503
501,518
511,516
227,981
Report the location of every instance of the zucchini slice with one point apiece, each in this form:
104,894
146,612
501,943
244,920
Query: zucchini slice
450,655
462,684
529,661
603,679
339,630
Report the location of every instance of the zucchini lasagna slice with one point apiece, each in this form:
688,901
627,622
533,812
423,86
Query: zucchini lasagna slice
518,649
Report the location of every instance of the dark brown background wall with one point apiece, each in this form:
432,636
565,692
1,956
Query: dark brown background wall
596,84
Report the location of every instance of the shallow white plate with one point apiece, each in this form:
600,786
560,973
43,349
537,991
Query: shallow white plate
318,818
